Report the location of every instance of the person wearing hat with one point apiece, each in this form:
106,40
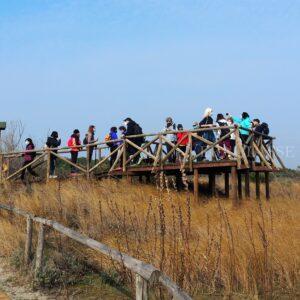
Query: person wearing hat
169,127
74,143
53,142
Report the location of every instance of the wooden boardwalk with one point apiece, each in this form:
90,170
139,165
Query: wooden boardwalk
133,158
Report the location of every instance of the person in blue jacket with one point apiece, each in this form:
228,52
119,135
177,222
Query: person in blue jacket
244,123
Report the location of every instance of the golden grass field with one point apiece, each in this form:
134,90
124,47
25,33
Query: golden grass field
212,248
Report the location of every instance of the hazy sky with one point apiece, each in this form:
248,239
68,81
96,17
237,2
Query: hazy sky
69,64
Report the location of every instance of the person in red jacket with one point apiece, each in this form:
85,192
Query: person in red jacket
74,143
182,138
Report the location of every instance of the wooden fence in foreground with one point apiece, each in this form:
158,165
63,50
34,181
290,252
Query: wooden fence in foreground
156,152
146,275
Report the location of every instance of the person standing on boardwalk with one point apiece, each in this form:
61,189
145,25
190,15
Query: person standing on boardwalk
110,138
206,122
169,127
74,143
53,142
221,123
245,123
133,128
232,135
29,156
89,140
182,138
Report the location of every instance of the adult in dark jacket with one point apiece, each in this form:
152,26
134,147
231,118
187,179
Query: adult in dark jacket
260,128
29,156
53,142
209,135
132,128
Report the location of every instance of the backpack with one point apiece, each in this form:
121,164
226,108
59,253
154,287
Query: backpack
138,130
265,128
85,141
70,142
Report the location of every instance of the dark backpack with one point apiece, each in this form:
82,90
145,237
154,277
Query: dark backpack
263,128
138,130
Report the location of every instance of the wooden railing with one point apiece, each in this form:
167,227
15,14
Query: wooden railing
146,275
257,150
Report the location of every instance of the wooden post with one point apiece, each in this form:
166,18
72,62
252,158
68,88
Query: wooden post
267,184
196,185
247,184
28,243
212,184
88,162
48,165
124,156
226,185
234,186
240,185
40,250
1,168
141,288
257,184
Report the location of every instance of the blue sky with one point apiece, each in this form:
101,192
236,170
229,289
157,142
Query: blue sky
68,64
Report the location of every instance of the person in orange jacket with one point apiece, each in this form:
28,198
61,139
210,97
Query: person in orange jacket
74,143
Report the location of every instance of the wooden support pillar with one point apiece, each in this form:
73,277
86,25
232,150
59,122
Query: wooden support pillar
257,185
234,186
226,184
88,149
141,288
240,185
28,243
212,184
48,165
1,168
40,250
247,184
179,182
196,185
267,184
148,178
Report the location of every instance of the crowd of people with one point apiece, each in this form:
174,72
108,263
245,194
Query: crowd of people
175,135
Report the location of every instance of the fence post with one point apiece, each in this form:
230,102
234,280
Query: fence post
257,185
124,156
267,185
247,184
48,165
28,243
141,288
1,168
234,186
40,250
226,179
88,161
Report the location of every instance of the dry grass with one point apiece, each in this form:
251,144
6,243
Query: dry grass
210,248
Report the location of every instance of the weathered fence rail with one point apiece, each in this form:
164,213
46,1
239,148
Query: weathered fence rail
146,275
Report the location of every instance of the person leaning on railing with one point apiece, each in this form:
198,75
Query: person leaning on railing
225,143
89,140
245,123
170,126
29,156
53,142
74,143
206,122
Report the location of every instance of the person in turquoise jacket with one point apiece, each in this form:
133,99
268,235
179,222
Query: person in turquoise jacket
245,123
